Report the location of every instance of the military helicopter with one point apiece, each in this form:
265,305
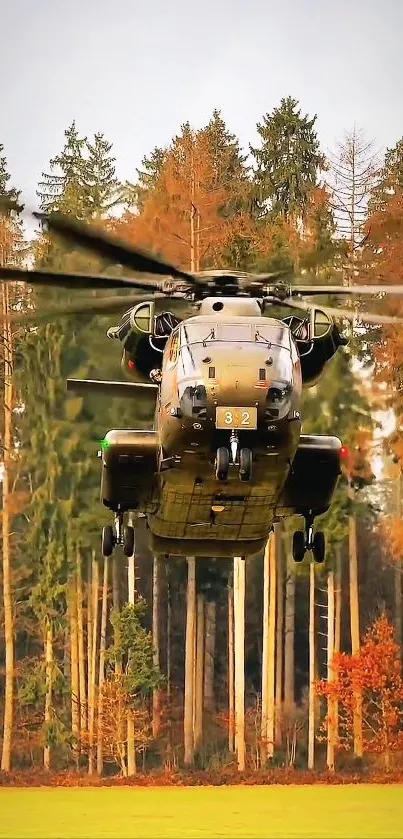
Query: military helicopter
225,458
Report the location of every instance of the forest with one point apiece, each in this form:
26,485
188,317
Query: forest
127,666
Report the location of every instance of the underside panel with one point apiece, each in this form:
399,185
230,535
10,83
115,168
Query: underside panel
205,550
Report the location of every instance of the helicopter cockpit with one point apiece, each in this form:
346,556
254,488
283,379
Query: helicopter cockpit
231,363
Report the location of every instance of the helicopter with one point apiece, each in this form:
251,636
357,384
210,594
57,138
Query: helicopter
225,458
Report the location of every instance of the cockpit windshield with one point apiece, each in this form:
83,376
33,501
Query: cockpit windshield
202,333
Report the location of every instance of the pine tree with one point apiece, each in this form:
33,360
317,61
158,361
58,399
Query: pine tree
147,180
288,162
102,186
389,180
63,188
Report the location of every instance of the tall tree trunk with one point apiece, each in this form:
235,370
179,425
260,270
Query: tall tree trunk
6,546
265,652
278,529
198,727
398,603
271,646
398,570
231,674
75,689
131,596
337,634
168,662
88,589
355,622
209,655
289,636
156,644
94,636
189,661
311,709
48,690
239,621
330,672
116,606
102,648
81,656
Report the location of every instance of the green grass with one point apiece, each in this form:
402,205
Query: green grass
343,812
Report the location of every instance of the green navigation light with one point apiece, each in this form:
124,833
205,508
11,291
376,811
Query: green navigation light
105,444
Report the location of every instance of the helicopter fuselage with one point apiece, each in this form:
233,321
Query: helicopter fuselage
226,434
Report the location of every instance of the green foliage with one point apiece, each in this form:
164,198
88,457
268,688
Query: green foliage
136,194
390,178
288,161
9,196
335,406
133,649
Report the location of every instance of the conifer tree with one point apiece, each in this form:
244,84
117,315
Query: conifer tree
288,161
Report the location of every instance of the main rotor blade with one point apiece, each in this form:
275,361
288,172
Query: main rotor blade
102,307
108,247
349,314
353,289
76,281
125,390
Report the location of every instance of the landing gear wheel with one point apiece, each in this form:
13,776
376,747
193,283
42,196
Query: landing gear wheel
245,464
318,547
298,546
222,464
108,540
128,540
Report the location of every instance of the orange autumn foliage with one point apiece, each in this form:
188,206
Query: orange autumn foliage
185,217
374,673
383,263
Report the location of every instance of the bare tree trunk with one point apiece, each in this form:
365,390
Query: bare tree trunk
116,606
398,603
289,636
209,655
271,646
88,589
311,709
398,570
189,662
102,647
48,693
6,547
330,672
337,635
168,662
81,657
198,727
94,635
355,623
156,644
239,620
131,596
75,695
231,674
265,652
278,529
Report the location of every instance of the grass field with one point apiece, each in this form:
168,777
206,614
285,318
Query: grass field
345,812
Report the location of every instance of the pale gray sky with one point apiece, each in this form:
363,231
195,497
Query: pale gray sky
137,70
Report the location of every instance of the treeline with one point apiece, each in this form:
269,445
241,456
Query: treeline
137,663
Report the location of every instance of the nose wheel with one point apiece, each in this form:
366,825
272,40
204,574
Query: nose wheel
239,457
118,534
304,541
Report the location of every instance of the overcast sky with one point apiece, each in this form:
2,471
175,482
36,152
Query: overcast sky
137,70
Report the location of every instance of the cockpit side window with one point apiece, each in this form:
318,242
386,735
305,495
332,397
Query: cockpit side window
173,348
